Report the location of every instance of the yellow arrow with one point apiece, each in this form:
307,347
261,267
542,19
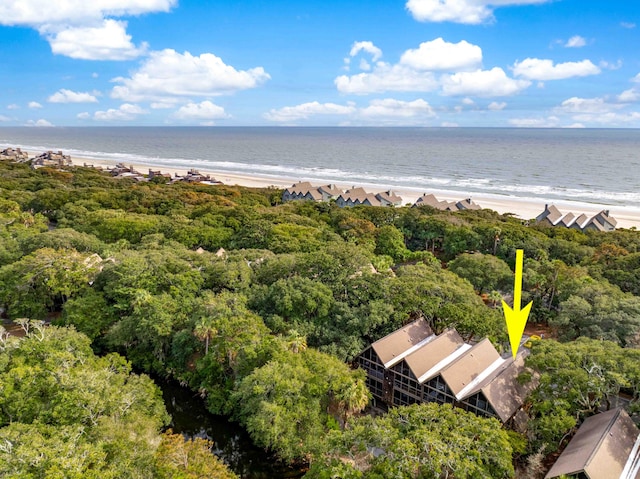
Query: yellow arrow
516,318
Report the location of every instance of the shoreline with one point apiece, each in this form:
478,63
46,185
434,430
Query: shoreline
523,208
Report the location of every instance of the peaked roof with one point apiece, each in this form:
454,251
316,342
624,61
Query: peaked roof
581,220
396,346
473,366
568,219
390,197
467,204
603,217
601,448
429,200
505,378
331,190
551,214
424,363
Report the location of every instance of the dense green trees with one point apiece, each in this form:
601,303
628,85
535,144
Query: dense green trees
66,413
411,442
286,404
261,328
485,272
576,379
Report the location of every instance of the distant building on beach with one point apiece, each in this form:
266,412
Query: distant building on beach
357,196
353,197
14,154
194,176
123,171
551,216
433,202
414,365
51,159
606,446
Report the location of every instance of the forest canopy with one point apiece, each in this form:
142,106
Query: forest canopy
260,306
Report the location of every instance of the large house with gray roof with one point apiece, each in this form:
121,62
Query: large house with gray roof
606,446
414,365
444,205
353,197
551,216
14,154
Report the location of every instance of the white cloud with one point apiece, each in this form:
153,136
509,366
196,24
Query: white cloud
68,96
610,119
82,29
482,83
108,41
4,118
449,124
13,106
629,96
587,105
386,77
636,79
468,101
539,69
368,47
205,110
39,12
39,123
85,115
289,114
417,70
162,105
385,111
34,105
389,107
598,111
364,65
460,11
496,106
609,65
628,25
438,55
167,74
549,122
126,112
575,41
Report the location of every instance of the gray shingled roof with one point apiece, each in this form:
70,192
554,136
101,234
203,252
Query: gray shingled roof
395,346
601,448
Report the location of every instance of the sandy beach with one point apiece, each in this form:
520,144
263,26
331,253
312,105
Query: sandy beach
524,208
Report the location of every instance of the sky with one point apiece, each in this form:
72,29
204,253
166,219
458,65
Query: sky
434,63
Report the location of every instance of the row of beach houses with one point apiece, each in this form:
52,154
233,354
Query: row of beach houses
48,158
414,365
602,221
355,196
58,159
359,196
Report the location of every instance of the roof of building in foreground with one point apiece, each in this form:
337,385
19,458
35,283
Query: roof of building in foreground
605,447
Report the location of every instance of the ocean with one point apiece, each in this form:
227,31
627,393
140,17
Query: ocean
593,166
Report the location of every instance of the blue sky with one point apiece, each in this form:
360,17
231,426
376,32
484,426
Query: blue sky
502,63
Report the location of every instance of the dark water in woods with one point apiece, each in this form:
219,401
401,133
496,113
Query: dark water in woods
232,443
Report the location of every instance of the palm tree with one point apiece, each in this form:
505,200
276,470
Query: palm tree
205,330
352,397
295,341
495,297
